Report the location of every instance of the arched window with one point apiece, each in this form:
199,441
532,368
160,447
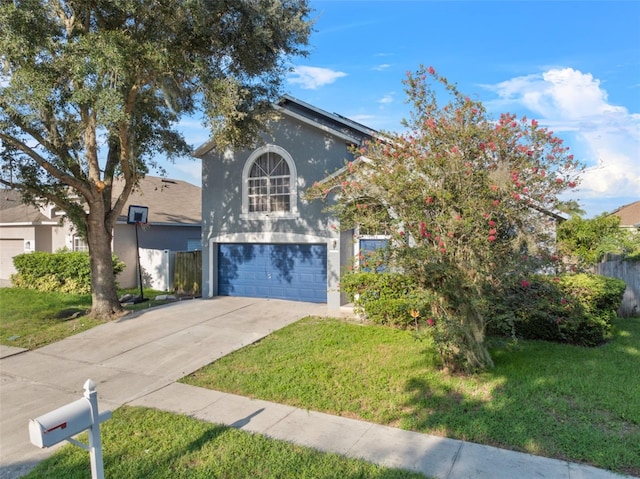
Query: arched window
270,184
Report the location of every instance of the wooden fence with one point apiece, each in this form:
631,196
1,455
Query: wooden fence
187,275
629,272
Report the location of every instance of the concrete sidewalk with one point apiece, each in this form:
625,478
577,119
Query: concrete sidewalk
136,361
433,456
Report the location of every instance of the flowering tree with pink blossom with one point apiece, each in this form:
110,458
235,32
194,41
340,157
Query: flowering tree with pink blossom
465,201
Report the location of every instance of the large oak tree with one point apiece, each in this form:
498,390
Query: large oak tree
92,90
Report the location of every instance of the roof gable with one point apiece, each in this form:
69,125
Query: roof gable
332,123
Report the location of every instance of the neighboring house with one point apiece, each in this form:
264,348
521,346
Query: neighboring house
260,237
26,228
173,225
629,216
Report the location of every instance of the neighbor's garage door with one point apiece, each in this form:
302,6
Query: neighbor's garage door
8,249
296,272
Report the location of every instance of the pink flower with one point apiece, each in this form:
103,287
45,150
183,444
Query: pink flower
572,184
430,322
492,223
431,71
492,238
559,180
429,200
496,202
563,301
524,283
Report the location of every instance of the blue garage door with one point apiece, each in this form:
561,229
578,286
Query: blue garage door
296,272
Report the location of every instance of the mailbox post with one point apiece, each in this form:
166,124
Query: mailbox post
67,421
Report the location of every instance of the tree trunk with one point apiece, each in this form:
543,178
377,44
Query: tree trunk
105,303
467,351
477,357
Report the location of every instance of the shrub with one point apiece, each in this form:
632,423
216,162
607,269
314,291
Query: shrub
66,272
574,309
600,296
387,298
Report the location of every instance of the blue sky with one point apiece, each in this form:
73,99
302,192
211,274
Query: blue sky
574,66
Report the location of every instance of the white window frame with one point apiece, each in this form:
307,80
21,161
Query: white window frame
293,186
79,244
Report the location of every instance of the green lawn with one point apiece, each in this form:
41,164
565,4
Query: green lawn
547,399
32,319
145,443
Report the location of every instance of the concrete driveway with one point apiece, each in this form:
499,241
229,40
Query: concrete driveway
127,359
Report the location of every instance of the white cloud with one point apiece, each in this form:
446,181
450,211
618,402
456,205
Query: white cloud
310,78
381,67
388,98
567,100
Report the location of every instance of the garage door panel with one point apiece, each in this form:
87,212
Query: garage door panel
9,248
296,272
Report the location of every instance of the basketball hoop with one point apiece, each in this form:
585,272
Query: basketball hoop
137,215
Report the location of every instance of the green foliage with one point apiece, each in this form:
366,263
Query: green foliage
464,196
588,240
599,296
574,309
66,272
388,298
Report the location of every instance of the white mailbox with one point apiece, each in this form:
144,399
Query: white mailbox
60,424
67,421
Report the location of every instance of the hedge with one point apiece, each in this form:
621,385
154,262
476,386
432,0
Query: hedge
67,272
574,309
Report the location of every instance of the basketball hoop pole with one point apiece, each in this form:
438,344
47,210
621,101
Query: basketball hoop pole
136,216
139,267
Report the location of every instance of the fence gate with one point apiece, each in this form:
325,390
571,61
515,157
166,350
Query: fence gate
187,275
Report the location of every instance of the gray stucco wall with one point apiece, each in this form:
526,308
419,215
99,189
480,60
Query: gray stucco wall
316,154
